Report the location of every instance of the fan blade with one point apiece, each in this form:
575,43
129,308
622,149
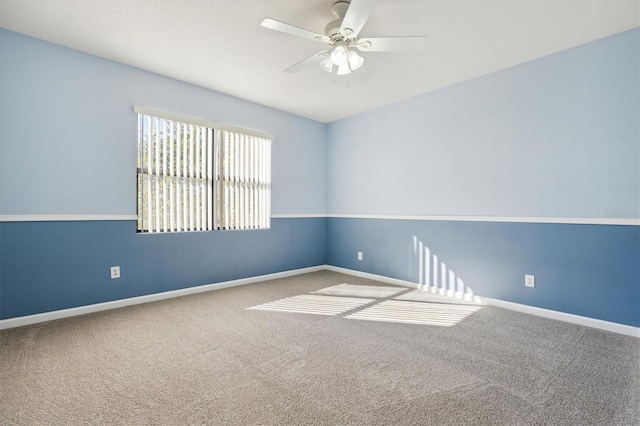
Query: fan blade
356,16
391,44
315,58
293,30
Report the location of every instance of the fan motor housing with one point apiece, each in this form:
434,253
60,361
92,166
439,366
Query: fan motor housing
332,30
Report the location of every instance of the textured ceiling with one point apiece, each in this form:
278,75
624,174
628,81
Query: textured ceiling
220,45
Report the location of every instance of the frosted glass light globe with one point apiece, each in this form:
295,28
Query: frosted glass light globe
339,55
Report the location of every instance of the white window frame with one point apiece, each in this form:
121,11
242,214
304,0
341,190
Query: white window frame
226,174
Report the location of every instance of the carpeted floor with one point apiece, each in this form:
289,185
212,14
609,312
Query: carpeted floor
210,359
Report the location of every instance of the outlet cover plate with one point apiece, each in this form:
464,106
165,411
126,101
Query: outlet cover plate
115,272
529,281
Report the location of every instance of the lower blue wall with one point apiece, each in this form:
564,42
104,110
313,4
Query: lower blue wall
587,270
47,266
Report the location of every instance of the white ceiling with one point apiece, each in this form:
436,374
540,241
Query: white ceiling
220,45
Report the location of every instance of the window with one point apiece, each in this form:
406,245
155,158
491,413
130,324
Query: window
200,176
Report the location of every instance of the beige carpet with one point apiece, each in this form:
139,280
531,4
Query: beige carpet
209,359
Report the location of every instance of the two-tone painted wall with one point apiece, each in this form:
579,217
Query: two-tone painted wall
531,170
68,185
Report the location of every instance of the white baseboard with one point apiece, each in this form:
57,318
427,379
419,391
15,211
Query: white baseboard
375,277
562,316
82,310
531,310
546,313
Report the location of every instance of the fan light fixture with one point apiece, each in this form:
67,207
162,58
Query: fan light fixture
344,69
345,59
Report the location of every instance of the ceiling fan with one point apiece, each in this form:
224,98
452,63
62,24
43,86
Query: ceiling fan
342,37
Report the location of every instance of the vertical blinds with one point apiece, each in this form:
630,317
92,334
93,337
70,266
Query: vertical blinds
193,177
243,178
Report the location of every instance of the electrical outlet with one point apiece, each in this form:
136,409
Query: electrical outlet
359,255
529,281
115,272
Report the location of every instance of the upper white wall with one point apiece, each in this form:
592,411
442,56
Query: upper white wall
68,144
555,137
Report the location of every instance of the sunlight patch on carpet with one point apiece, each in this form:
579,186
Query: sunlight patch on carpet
426,296
314,304
408,312
360,290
